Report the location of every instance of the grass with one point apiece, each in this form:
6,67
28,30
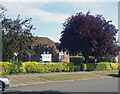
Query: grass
111,73
36,77
67,76
25,79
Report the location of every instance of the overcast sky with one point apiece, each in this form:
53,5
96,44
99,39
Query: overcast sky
48,17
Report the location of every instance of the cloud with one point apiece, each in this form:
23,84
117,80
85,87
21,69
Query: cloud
29,10
60,0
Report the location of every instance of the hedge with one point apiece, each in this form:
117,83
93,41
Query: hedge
77,68
6,67
35,67
100,66
77,60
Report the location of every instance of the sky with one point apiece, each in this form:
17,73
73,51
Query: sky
48,17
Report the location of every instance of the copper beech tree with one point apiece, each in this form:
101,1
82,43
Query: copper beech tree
91,35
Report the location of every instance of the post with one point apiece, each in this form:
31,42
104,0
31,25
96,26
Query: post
0,49
95,59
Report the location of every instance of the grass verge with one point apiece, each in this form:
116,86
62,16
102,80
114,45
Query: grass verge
111,73
68,76
36,77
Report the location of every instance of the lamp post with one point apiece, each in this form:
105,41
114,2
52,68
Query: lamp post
15,54
95,59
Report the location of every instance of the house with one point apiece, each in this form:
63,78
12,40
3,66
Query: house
44,45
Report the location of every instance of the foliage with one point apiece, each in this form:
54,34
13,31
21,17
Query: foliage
16,37
77,60
118,66
35,67
91,59
107,58
77,68
100,66
6,67
16,67
114,66
92,35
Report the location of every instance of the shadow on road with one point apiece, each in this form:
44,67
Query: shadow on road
114,75
56,92
33,92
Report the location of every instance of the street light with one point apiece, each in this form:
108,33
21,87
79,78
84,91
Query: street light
15,56
95,59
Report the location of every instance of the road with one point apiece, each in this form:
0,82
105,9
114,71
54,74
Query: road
92,85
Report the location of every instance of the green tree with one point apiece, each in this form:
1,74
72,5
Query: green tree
16,37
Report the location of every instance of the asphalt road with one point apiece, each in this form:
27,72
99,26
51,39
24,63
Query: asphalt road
92,85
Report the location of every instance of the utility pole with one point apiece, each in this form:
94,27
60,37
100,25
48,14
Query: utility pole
0,42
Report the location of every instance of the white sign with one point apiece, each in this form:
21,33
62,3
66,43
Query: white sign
46,57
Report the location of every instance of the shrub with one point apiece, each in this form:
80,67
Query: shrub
77,60
77,68
114,66
118,66
16,67
108,58
6,68
91,59
100,66
35,67
22,68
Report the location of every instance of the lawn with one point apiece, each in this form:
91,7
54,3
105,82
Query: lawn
68,76
25,79
36,77
108,73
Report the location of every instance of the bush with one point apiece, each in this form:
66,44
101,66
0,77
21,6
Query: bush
114,66
100,66
77,68
118,66
6,68
77,60
35,67
108,58
16,67
91,59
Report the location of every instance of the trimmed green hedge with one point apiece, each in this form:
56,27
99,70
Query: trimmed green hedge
77,68
6,67
35,67
77,60
100,66
118,66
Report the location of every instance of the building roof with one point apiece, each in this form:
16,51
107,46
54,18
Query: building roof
43,41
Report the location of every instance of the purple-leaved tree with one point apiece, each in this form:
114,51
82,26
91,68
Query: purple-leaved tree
92,35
